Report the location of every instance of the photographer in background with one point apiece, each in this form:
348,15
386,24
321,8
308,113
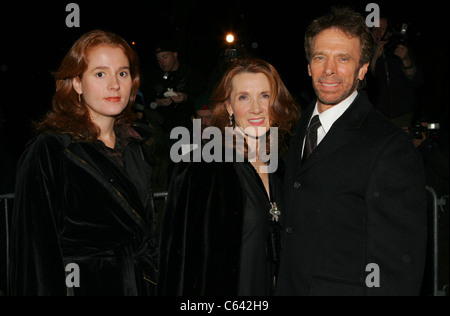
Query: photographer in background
394,75
172,90
431,140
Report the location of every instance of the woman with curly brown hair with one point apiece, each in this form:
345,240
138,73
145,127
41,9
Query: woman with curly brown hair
82,221
219,231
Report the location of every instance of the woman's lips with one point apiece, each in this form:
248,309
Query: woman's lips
257,121
113,99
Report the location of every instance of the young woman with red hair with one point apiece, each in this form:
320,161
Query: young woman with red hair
82,221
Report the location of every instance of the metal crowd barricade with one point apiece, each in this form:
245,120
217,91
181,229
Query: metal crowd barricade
160,196
438,202
5,205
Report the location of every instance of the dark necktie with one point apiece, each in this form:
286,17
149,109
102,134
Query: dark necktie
311,137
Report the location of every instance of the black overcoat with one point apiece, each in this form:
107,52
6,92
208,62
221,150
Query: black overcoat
360,198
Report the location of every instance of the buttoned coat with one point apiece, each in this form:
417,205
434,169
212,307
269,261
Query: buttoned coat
359,199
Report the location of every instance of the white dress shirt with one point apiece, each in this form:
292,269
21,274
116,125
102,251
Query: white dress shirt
328,117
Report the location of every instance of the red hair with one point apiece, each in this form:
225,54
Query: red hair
69,115
283,111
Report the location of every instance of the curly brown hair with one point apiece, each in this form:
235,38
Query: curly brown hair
69,114
284,111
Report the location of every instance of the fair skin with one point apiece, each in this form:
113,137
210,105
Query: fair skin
168,62
105,87
250,102
334,67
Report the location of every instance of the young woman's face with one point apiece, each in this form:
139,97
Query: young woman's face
106,84
250,102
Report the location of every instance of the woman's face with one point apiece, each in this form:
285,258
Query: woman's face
106,83
250,102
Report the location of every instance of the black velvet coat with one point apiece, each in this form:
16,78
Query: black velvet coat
195,258
209,221
74,204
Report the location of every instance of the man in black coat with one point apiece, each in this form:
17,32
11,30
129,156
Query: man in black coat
355,214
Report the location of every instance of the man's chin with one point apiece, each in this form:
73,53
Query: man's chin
330,101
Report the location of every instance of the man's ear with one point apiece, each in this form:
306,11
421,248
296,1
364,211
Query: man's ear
363,71
76,82
309,70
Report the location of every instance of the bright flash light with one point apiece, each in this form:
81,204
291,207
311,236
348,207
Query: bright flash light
230,38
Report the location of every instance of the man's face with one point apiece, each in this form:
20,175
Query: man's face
380,32
206,118
168,61
334,67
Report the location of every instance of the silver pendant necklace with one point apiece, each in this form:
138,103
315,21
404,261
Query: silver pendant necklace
274,211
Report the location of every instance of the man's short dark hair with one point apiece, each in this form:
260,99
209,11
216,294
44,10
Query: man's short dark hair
166,46
348,21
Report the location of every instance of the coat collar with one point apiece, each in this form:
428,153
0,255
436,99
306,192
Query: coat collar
339,134
103,169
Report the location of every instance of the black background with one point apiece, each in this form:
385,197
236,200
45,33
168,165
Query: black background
34,39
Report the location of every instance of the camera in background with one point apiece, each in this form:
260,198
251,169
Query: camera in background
431,130
398,37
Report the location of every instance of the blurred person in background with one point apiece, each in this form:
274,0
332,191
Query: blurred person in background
394,75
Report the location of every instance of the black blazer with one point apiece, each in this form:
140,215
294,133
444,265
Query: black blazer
359,198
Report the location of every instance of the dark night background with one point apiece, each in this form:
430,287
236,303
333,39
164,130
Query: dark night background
34,39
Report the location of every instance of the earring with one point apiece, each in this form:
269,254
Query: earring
79,98
231,119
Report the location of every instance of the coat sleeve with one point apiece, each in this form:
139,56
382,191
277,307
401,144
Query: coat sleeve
201,232
36,266
397,219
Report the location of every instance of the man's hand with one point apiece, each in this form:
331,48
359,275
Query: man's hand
180,97
163,102
378,52
402,52
379,49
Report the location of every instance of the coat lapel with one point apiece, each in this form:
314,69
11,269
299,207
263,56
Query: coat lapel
296,144
339,134
104,170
